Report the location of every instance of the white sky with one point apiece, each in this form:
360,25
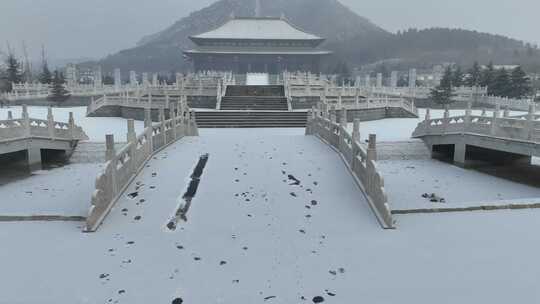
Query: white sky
82,28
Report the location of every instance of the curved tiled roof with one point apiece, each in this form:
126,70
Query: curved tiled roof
259,29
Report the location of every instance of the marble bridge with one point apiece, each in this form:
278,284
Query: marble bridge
37,137
497,139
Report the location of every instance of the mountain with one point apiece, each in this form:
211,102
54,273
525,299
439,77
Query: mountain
354,39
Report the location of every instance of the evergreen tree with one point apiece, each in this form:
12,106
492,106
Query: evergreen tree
501,85
58,89
520,84
46,76
475,75
457,77
443,93
488,76
13,71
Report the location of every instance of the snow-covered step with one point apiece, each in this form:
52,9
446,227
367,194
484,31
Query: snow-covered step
403,150
90,152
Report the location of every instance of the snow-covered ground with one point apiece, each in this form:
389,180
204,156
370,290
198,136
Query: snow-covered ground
62,191
406,182
95,127
254,235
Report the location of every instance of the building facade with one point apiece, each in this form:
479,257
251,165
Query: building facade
257,45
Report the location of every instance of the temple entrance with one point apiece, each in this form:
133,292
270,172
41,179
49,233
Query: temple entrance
257,79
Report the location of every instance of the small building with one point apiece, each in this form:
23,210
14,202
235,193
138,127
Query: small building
257,45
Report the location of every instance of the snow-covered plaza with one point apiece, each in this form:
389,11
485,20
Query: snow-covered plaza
277,218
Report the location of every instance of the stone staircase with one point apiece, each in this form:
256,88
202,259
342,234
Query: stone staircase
251,119
252,107
90,152
243,103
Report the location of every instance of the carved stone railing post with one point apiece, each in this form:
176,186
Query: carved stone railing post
131,135
50,123
468,119
193,124
372,148
148,127
162,126
356,130
494,120
172,117
71,125
343,117
531,121
9,115
446,119
506,112
333,114
110,151
26,121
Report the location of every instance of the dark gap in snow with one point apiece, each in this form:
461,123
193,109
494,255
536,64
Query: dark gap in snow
295,181
181,212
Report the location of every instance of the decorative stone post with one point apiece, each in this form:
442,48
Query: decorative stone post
110,152
26,120
309,125
162,127
356,130
506,112
9,115
50,122
427,120
531,121
147,118
131,135
446,119
333,114
172,117
494,120
343,118
372,148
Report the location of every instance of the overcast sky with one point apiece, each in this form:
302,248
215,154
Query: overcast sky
95,28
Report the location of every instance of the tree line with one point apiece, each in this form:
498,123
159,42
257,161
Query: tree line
499,82
14,72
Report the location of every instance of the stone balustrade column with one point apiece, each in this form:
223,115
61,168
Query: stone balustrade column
50,123
427,120
162,122
343,118
446,118
531,121
172,117
506,112
333,114
110,152
10,115
494,120
356,130
372,148
26,121
131,135
147,118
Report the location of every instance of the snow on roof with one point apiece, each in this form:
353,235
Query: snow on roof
258,28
